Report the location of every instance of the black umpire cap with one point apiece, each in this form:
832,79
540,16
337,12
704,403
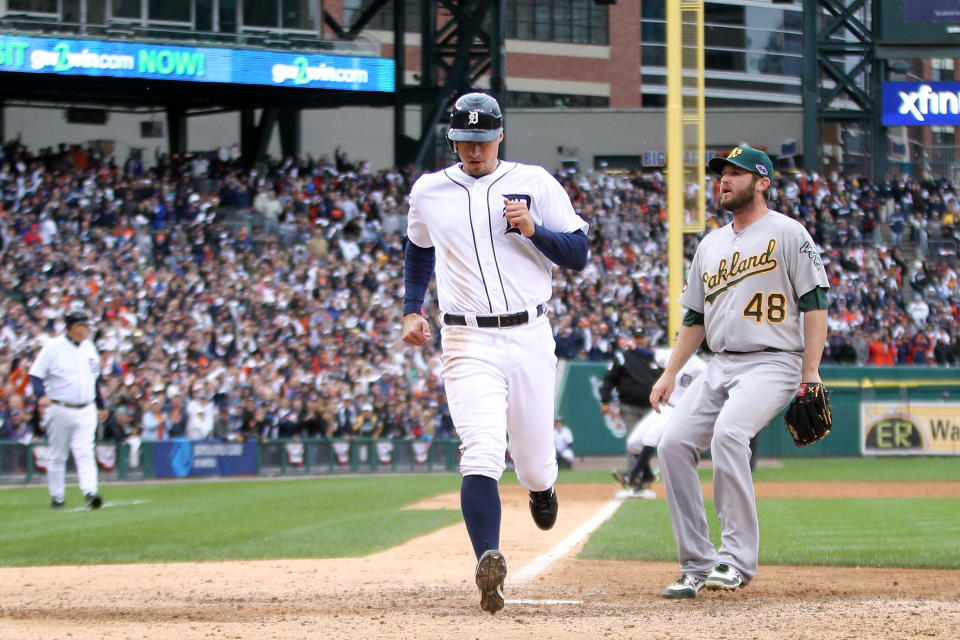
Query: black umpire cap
77,316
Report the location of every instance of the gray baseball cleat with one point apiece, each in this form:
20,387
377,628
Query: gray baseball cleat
491,572
685,587
543,508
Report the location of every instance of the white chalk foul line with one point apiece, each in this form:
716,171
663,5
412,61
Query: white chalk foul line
527,601
539,564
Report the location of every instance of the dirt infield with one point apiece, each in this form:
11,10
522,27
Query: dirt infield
424,590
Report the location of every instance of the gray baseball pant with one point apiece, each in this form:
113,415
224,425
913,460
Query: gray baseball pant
723,409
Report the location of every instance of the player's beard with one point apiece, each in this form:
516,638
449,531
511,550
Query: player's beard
736,200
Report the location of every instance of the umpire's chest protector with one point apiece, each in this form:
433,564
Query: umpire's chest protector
483,265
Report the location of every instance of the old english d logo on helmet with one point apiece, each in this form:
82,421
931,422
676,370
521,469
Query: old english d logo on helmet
473,117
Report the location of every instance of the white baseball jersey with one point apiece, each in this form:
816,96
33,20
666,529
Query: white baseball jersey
69,371
484,267
692,368
747,284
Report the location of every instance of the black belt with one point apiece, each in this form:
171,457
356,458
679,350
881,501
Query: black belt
501,321
70,406
767,350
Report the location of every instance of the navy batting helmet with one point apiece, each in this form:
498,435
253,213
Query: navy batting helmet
475,117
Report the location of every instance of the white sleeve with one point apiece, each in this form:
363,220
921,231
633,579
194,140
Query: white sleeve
41,365
417,230
556,211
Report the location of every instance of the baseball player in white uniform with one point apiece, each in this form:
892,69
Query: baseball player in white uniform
65,382
645,437
493,230
757,291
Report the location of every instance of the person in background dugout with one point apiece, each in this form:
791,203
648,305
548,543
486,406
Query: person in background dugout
66,382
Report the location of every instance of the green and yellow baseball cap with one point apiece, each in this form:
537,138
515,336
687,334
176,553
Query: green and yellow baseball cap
747,158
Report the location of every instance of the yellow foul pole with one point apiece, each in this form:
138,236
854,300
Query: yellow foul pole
675,186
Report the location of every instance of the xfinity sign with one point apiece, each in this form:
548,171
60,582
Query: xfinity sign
921,103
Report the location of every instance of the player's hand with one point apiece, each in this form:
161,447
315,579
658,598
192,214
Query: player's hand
604,408
416,329
43,402
662,390
518,215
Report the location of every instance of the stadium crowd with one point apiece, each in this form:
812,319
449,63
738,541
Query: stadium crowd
265,303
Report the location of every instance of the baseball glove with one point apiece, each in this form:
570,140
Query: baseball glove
808,416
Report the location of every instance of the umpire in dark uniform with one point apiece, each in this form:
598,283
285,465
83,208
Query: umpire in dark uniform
632,374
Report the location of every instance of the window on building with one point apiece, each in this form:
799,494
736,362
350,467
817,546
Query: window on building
169,10
260,13
125,9
227,16
577,21
33,6
301,14
942,70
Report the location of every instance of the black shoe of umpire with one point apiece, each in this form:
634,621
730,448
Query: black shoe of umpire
543,508
94,501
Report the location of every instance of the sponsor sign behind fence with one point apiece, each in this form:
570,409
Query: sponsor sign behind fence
181,457
898,428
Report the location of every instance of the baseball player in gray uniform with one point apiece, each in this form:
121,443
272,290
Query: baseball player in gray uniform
757,291
65,379
493,229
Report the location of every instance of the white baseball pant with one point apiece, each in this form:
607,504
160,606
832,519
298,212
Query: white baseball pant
499,384
71,430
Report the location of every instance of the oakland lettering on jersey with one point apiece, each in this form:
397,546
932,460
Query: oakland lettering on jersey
738,271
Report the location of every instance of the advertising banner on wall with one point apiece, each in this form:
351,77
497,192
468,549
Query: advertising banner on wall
180,457
921,428
114,59
921,103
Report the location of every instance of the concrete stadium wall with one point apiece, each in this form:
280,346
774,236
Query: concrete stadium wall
538,136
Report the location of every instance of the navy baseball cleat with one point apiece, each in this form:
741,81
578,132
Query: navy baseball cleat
94,501
543,508
56,504
491,572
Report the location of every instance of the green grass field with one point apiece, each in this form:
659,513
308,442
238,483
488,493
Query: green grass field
355,516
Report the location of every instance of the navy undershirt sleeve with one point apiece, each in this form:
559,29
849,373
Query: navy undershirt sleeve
39,390
566,249
99,395
418,263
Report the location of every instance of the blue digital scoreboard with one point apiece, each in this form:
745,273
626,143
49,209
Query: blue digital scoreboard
102,58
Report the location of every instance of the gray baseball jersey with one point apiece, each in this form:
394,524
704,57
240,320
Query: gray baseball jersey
747,284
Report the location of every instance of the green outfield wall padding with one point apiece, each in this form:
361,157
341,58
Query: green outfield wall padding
596,434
